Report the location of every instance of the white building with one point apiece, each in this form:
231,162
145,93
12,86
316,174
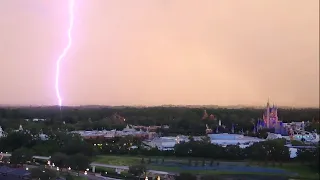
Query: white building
35,120
20,129
233,139
168,143
127,131
1,132
297,135
162,143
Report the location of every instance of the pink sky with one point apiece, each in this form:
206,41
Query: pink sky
143,52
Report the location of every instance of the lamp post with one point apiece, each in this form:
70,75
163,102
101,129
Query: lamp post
146,176
58,169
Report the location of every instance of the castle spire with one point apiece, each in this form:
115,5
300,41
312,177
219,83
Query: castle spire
268,114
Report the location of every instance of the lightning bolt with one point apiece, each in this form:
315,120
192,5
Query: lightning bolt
65,51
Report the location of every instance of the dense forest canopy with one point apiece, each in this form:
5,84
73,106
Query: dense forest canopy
185,118
158,114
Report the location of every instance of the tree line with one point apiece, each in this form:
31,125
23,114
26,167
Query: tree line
24,145
182,120
70,150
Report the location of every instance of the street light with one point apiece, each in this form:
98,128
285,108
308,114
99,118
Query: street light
85,172
69,168
27,168
57,168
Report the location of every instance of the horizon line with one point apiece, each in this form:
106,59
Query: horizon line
239,106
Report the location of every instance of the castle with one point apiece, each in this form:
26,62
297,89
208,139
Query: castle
270,116
270,120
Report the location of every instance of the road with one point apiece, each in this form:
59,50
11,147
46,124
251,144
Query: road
97,165
90,176
93,164
126,168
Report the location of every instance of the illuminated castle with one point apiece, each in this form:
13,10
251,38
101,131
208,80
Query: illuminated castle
270,116
270,120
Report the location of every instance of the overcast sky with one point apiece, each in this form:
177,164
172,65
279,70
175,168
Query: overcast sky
154,52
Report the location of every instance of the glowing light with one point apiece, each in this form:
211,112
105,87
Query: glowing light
65,51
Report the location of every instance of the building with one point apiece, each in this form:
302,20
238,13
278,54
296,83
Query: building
226,139
35,120
297,135
42,136
150,128
270,116
1,132
168,143
270,120
162,143
207,116
104,134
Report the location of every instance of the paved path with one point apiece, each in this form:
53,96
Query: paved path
126,168
95,164
109,166
89,175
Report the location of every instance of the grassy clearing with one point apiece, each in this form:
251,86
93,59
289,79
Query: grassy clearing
130,160
117,160
303,171
79,178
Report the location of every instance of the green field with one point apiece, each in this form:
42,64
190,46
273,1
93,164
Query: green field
302,170
79,178
118,160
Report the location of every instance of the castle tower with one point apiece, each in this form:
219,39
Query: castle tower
270,116
274,116
205,114
267,120
208,130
